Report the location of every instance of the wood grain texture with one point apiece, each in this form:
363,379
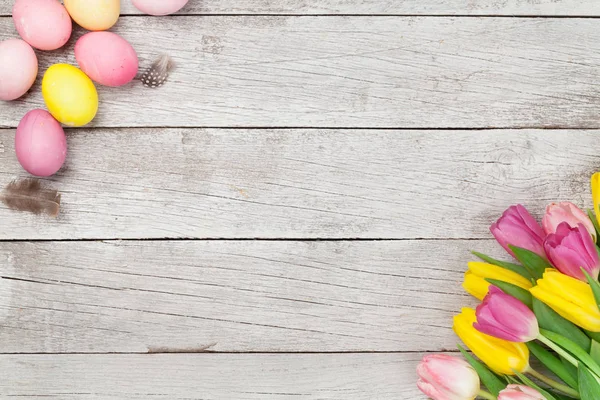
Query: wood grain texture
211,376
237,296
212,183
381,7
268,71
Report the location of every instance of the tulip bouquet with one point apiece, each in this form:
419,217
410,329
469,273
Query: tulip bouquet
544,305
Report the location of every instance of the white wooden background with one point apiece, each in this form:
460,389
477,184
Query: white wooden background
301,196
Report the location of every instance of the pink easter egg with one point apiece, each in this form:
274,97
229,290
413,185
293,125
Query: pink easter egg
159,7
44,24
107,58
40,143
18,68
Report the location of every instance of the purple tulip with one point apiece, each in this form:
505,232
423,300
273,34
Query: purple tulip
503,316
571,249
516,227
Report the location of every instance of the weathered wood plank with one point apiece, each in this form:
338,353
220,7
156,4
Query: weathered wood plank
353,72
380,7
197,183
211,376
239,296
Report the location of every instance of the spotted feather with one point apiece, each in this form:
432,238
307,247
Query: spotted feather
158,73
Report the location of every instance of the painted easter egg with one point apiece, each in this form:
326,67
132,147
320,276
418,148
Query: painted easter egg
94,15
18,68
44,24
70,95
40,143
107,58
159,7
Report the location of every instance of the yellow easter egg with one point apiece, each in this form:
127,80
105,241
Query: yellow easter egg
70,95
94,15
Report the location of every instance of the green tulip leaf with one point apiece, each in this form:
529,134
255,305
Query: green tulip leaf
519,269
512,380
488,378
576,351
548,319
535,264
559,396
595,287
532,384
593,335
571,369
513,290
589,387
595,351
592,217
553,363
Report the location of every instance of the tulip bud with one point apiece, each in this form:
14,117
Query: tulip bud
501,356
571,249
504,317
572,299
516,227
557,213
444,377
520,392
475,278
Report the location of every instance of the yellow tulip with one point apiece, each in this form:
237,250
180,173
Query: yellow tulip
595,183
501,356
475,278
569,297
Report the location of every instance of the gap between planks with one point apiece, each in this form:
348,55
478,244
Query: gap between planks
515,16
258,239
176,351
329,128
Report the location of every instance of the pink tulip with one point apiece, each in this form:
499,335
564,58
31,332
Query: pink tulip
570,249
444,377
503,316
518,228
557,213
520,392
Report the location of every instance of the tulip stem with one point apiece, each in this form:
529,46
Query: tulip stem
486,395
558,349
552,383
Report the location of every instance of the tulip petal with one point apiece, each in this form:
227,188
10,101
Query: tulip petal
447,377
502,316
567,261
572,248
520,392
516,227
531,223
486,270
557,213
475,285
499,355
429,390
570,289
488,378
570,298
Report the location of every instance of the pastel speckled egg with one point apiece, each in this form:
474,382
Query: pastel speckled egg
94,15
40,143
107,58
159,7
18,68
70,95
44,24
